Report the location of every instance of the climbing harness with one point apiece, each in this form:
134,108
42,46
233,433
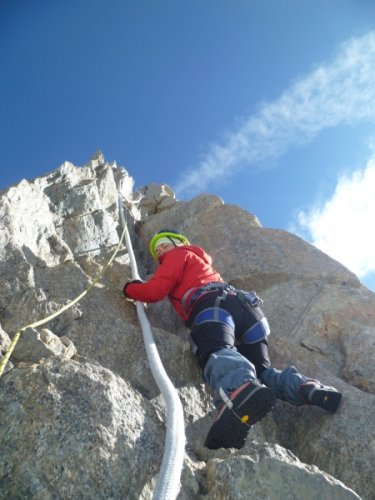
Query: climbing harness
168,482
258,331
250,298
42,321
188,300
213,314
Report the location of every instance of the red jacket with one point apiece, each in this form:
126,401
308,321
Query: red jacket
181,269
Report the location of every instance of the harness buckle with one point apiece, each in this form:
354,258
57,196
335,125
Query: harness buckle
219,285
249,297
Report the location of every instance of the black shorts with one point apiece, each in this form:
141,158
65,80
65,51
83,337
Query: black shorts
212,336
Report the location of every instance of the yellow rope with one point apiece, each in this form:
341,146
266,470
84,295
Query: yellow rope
18,333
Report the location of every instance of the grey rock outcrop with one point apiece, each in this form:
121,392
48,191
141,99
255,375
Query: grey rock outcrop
37,345
81,414
236,476
155,198
78,431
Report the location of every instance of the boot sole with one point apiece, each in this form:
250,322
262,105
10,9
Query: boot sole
328,400
230,429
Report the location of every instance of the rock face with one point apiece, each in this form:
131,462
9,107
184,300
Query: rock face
81,414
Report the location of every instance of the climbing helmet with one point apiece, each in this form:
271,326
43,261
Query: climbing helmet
170,234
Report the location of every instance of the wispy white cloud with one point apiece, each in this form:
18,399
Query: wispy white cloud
342,92
343,225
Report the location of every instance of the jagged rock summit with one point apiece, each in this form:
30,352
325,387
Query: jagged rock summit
81,416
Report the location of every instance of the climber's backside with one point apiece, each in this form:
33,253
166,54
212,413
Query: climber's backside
229,337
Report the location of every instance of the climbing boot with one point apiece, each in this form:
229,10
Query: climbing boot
242,409
321,395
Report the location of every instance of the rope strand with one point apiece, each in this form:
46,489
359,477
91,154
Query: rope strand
45,320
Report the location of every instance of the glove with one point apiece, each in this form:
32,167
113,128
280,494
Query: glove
129,283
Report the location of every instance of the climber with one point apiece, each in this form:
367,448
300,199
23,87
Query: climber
228,332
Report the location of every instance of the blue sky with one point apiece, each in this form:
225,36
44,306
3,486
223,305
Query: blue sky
270,105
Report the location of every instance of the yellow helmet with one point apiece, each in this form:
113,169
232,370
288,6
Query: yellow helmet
166,233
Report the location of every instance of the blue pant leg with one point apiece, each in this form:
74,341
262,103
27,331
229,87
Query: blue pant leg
227,369
285,384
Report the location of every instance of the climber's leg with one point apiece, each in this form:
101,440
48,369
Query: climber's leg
227,370
321,395
290,385
241,400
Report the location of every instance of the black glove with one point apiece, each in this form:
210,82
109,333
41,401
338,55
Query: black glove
130,282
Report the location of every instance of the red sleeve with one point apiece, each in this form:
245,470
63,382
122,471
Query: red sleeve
165,279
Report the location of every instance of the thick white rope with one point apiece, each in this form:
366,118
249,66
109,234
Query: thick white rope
168,482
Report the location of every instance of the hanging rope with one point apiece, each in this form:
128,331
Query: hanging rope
168,483
40,322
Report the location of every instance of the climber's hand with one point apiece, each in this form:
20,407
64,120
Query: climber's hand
128,283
